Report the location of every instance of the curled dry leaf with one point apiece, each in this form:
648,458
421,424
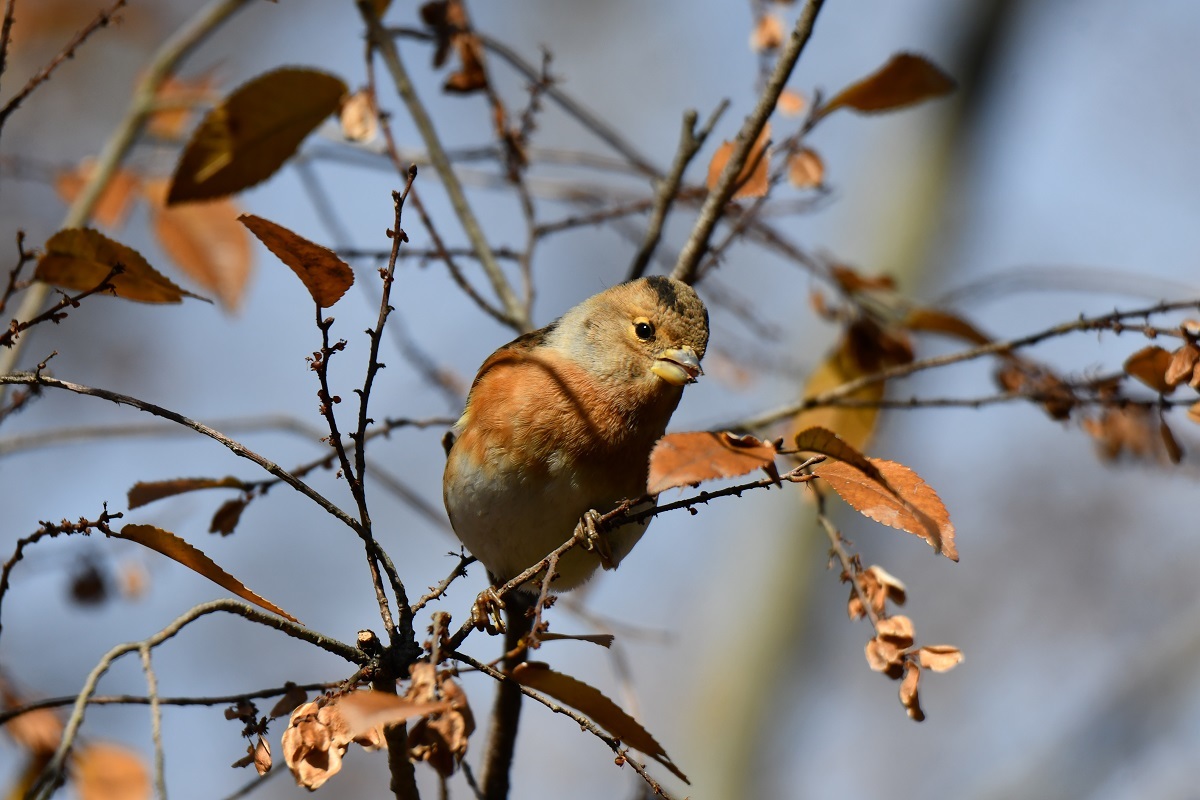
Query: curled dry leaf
318,734
262,755
1149,365
905,80
325,275
879,586
178,550
106,771
896,629
114,202
828,443
205,241
883,656
680,459
1183,365
767,34
602,639
252,132
909,697
1171,446
904,502
359,118
80,258
754,179
939,657
806,170
439,739
1124,431
144,492
592,703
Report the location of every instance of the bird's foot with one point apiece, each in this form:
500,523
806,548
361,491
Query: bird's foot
487,613
593,540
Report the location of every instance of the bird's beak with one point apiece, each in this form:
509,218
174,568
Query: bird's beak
677,366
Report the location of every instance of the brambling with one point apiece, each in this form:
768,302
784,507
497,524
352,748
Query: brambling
560,422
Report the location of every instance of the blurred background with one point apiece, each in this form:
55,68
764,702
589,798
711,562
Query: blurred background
1059,180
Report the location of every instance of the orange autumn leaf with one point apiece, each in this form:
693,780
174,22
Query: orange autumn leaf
905,502
680,459
767,34
806,170
175,103
144,492
106,771
178,550
904,80
80,258
205,241
754,179
1149,365
252,132
114,202
325,275
1183,365
590,702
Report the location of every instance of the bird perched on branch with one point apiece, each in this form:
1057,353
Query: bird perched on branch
561,421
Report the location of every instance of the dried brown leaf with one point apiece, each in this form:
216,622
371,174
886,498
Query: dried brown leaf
851,281
680,459
909,697
252,132
114,202
325,275
896,629
1193,412
1171,445
753,180
205,241
939,657
883,656
80,258
38,731
359,118
602,639
441,739
262,756
806,169
1183,364
892,587
905,502
144,492
367,710
592,703
1123,430
106,771
228,515
904,80
767,34
933,321
1149,365
470,76
292,697
177,549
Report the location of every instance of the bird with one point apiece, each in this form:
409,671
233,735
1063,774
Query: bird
560,423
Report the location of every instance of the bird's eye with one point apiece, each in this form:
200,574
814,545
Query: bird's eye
644,330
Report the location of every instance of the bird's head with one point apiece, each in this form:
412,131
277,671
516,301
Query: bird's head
648,330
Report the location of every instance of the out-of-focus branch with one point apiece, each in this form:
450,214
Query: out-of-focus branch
722,192
161,66
517,315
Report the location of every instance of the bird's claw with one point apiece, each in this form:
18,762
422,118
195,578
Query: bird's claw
592,540
487,613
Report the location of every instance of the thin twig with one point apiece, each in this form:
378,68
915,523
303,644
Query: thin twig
38,379
1097,323
516,315
586,724
160,781
459,571
690,142
719,196
52,775
101,20
136,700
